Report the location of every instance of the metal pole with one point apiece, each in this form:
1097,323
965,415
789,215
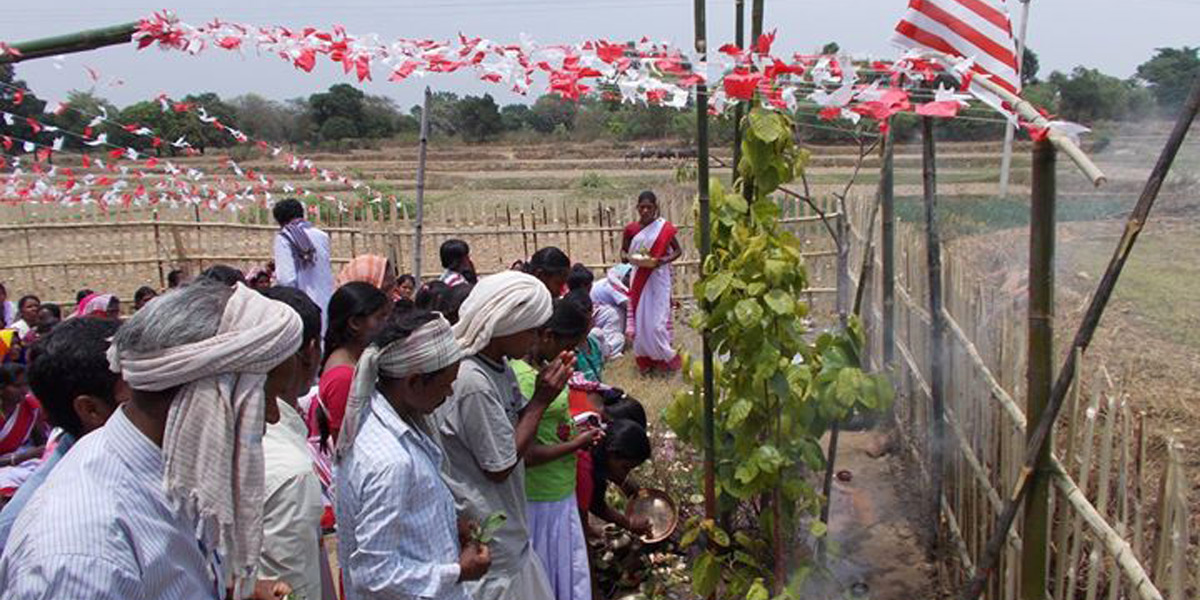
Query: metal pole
887,203
421,152
79,41
739,111
1040,369
1083,338
1010,129
710,438
933,253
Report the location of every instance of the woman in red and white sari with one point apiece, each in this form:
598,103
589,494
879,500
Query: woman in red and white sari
650,245
22,430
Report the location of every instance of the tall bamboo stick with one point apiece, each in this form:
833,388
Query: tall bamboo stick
422,152
739,33
79,41
887,242
936,380
710,443
1040,368
1083,336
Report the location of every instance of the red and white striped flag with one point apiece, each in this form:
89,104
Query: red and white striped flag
977,29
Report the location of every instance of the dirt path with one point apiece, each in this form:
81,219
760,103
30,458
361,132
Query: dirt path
874,528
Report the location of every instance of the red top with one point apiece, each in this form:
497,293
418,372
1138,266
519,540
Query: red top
18,427
333,392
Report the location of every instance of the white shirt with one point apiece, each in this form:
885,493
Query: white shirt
101,528
22,328
315,281
292,512
397,525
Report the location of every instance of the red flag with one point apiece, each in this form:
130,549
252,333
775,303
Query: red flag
965,28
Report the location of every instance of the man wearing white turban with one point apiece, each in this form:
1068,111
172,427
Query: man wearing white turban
487,426
165,500
398,528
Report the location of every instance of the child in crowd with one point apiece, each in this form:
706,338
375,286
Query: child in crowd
456,260
551,266
554,525
625,447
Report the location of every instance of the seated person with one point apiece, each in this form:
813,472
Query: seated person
23,435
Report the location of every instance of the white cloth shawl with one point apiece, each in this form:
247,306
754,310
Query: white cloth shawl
212,445
500,305
428,349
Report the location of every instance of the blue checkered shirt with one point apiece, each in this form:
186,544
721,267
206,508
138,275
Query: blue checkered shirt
397,525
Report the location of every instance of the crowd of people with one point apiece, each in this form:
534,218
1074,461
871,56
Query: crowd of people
455,436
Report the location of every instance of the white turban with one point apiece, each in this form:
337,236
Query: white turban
428,349
212,450
500,305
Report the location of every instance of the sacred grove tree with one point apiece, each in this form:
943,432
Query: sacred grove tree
479,118
1087,96
1169,75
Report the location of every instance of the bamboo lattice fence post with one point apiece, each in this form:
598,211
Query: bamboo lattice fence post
1040,369
936,354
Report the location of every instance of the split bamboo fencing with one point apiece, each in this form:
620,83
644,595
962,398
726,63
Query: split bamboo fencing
1121,521
121,250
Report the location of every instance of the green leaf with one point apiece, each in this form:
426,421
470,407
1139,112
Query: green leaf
714,287
746,472
486,531
748,312
706,573
738,413
720,537
737,203
780,302
689,537
818,529
758,591
766,125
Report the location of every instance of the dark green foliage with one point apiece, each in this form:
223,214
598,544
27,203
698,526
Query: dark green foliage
1169,75
1087,96
479,118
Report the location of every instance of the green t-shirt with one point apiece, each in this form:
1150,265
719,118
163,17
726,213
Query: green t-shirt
555,480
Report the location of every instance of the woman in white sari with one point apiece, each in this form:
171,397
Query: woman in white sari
650,245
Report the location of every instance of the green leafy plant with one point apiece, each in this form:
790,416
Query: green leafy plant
778,388
486,531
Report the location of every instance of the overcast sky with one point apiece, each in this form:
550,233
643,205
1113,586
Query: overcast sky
1112,35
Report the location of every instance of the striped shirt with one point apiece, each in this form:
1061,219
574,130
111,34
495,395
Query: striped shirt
397,525
452,278
101,528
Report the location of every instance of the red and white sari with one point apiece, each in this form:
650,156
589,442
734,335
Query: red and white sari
17,434
650,297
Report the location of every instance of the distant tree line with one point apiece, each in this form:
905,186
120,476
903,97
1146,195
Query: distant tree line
344,116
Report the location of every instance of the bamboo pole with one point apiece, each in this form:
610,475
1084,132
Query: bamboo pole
1102,492
887,200
1087,328
710,443
162,279
422,153
79,41
1085,474
1031,114
1010,127
1040,368
936,355
739,33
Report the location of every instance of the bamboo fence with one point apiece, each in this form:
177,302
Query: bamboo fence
1119,503
121,250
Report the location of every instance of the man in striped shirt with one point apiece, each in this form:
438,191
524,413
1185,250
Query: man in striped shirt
107,524
398,530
